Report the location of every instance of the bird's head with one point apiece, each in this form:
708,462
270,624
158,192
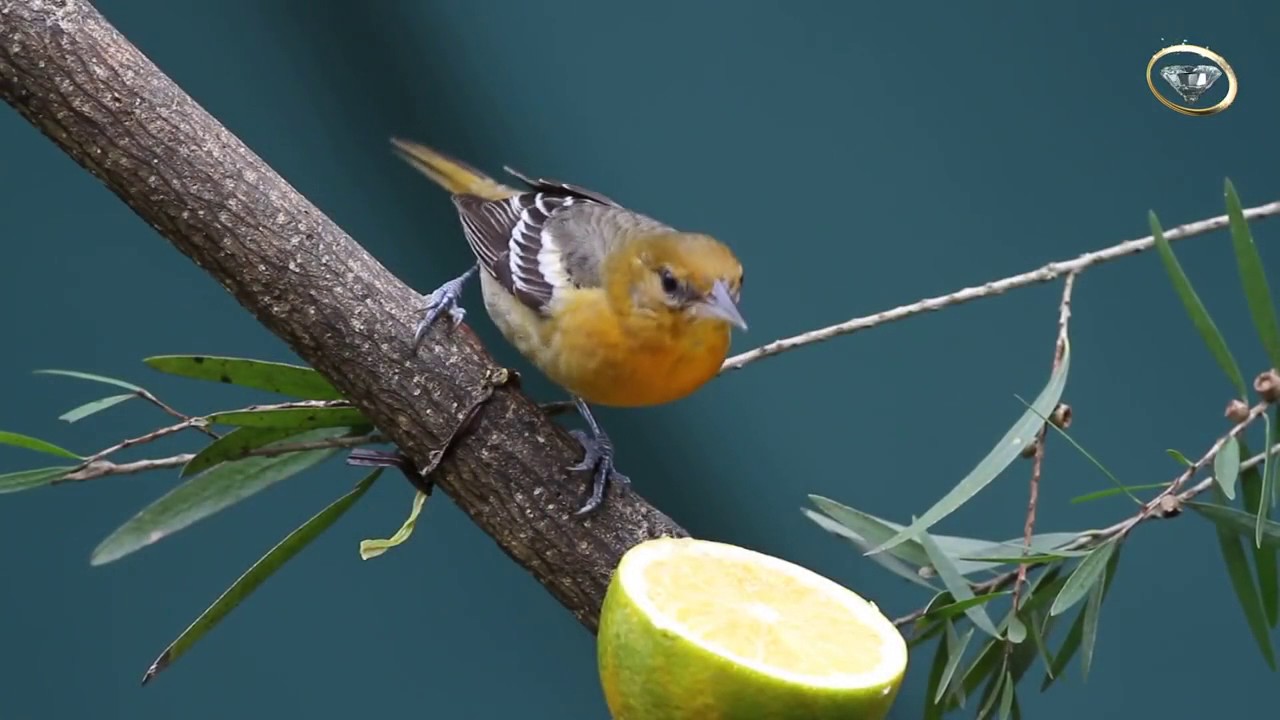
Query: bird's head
685,276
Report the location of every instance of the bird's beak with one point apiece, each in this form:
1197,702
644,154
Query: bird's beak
719,304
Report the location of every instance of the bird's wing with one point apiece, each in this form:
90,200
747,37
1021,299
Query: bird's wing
560,188
510,239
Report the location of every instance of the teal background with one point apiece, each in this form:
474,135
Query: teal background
857,156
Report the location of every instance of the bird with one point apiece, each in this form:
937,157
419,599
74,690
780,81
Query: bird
613,306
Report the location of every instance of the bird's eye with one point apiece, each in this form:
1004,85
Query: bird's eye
670,285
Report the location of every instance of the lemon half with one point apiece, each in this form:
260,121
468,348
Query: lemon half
706,630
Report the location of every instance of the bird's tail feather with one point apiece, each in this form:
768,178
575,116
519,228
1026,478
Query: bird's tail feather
453,175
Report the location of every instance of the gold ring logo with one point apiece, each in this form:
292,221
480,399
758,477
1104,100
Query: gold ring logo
1191,81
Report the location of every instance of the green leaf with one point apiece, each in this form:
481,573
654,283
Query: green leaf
234,446
956,645
28,479
83,411
1183,459
955,583
1006,698
1226,467
865,530
92,377
373,548
1108,492
1092,613
934,710
293,418
950,608
293,380
1034,558
252,579
1241,523
1036,632
1070,644
208,493
1087,573
1242,583
1196,310
1016,631
30,443
889,562
1264,558
1006,451
993,691
1253,277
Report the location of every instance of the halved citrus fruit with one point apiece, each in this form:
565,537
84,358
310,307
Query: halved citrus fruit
701,630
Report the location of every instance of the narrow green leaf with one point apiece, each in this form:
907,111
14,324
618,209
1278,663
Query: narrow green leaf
293,380
30,443
993,691
1240,523
28,479
1226,467
1183,459
1070,644
95,406
252,579
864,530
1196,310
933,710
1087,573
885,560
234,446
956,644
1006,698
1108,492
1092,614
294,418
1268,473
1253,277
91,377
951,609
373,548
1264,558
207,493
1246,593
984,663
955,583
1037,633
1034,558
1006,451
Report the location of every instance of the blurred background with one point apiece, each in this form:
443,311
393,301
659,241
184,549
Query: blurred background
857,157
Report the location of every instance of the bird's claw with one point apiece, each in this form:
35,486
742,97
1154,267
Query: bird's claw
442,301
598,457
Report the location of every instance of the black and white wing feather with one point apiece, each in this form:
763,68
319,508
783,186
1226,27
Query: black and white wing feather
509,238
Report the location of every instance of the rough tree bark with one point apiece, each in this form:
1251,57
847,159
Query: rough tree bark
75,78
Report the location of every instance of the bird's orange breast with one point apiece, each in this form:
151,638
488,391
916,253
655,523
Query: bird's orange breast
626,360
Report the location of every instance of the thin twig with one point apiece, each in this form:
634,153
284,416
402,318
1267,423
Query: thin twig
103,468
151,398
1043,274
1037,460
201,422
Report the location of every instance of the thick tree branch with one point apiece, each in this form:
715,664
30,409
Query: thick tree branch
76,79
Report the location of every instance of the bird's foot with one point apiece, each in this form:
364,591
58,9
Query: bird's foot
443,300
597,458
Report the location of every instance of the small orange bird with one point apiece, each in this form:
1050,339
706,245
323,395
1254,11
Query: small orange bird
613,306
